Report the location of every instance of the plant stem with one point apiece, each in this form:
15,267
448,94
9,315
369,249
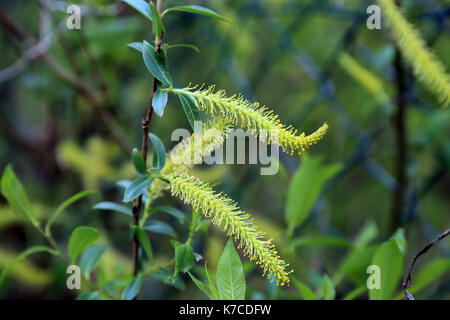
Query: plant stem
400,131
146,129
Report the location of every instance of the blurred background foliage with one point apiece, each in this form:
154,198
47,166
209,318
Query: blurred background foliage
310,61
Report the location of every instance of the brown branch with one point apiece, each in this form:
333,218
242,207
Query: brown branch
407,283
400,132
146,129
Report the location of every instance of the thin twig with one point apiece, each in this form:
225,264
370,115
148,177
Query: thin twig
407,282
400,131
146,129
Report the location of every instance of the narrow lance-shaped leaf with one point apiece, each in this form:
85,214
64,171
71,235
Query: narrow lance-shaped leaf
136,188
144,241
389,259
158,26
112,206
198,10
66,204
230,274
141,6
91,258
132,289
190,109
138,162
159,152
156,64
12,190
160,227
22,256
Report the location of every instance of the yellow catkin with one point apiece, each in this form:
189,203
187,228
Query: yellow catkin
224,211
250,115
426,66
191,151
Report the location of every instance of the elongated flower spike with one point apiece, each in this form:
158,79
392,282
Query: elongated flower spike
191,151
243,113
224,211
426,66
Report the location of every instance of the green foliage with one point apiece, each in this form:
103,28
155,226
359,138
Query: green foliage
141,6
305,188
198,10
22,256
156,64
328,290
230,274
81,238
137,188
144,240
64,205
138,162
159,152
160,227
159,101
132,289
191,112
111,206
305,292
389,257
91,257
184,257
13,191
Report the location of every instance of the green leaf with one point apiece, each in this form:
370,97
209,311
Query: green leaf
202,286
230,274
355,264
159,153
22,256
305,292
389,257
138,162
91,258
199,10
81,238
106,205
156,64
355,293
66,204
144,241
184,258
178,45
170,210
328,291
159,102
90,295
160,227
328,241
136,45
158,26
189,108
305,188
132,289
12,190
136,188
141,6
211,285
